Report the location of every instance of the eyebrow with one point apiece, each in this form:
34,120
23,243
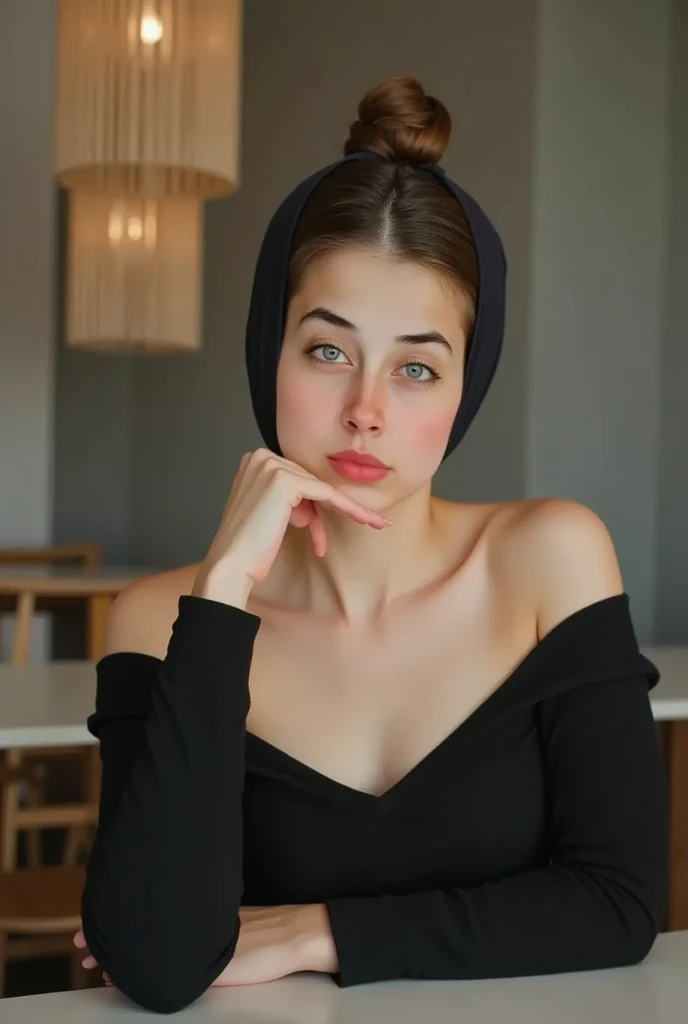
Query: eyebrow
424,338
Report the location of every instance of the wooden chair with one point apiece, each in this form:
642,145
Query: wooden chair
40,907
85,554
40,911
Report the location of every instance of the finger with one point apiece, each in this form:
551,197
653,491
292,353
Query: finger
106,978
250,465
310,488
89,962
239,476
286,474
318,535
340,502
302,514
344,506
80,940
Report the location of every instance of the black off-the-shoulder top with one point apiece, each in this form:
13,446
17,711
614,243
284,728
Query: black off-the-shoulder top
532,840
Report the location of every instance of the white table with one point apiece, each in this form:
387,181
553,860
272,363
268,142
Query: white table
45,704
670,697
654,992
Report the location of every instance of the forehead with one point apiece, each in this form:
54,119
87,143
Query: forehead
373,289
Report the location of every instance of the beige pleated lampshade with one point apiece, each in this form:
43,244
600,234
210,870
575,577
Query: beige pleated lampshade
148,96
134,274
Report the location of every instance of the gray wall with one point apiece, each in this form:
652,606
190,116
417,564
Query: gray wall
598,261
27,320
27,285
672,532
563,131
93,435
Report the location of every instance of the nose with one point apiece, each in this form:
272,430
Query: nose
364,412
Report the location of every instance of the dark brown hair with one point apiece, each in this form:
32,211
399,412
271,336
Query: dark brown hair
392,204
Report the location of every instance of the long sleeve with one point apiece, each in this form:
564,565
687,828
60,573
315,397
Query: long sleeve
600,900
164,877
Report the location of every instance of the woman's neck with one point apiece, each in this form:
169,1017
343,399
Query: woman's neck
364,570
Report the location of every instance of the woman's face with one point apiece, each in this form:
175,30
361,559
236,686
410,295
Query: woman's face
372,360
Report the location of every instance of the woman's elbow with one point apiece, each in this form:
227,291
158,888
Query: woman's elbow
161,976
641,939
164,988
636,932
160,994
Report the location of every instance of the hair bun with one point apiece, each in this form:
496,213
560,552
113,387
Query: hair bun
398,121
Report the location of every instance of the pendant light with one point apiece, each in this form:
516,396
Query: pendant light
148,96
146,129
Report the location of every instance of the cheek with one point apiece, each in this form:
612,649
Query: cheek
425,436
301,409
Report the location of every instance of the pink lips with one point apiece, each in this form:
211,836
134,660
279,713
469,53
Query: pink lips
358,466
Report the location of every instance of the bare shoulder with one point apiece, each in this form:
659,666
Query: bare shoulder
563,554
142,615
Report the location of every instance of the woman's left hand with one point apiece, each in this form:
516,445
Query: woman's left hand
276,941
273,942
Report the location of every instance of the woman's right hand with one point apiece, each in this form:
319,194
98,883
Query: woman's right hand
268,493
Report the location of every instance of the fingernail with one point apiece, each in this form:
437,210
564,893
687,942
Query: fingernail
372,512
88,962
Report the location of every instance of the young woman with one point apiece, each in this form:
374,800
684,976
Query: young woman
375,734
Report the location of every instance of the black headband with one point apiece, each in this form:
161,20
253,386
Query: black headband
267,312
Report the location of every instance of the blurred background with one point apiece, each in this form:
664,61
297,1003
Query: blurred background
570,129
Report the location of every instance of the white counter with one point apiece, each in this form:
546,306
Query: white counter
654,992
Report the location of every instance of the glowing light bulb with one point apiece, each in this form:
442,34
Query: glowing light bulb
115,226
135,229
151,29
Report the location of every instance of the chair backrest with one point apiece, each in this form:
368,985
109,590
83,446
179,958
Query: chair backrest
86,553
21,771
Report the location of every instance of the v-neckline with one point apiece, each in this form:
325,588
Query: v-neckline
488,710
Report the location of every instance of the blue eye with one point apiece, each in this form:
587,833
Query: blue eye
416,371
330,353
418,375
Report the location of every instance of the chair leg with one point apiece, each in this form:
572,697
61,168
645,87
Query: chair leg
97,616
35,798
26,603
9,801
72,845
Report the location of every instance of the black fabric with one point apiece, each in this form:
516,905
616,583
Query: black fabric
267,311
532,840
